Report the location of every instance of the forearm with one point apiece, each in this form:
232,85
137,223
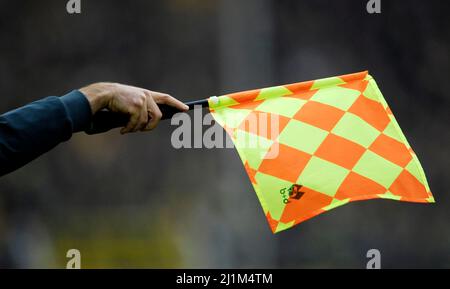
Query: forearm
29,131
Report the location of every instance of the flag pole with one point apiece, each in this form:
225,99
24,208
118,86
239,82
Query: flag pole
105,120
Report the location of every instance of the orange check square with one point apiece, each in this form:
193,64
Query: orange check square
340,151
406,185
320,115
391,150
371,111
355,186
268,125
310,202
287,165
356,85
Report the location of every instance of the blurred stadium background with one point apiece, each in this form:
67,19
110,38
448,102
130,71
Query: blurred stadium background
136,202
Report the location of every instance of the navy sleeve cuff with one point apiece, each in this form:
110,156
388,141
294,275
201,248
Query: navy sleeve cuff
78,110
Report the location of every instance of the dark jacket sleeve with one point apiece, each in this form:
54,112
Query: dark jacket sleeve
31,130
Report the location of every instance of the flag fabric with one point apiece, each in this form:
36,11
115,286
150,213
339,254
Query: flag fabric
335,141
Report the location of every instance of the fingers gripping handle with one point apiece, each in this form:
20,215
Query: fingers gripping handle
106,120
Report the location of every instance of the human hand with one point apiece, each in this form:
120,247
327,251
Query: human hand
140,104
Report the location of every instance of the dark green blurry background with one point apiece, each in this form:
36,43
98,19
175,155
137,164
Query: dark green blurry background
134,201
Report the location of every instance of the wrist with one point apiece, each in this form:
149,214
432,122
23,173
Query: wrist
98,95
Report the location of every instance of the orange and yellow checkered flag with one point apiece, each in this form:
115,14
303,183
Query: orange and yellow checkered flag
312,146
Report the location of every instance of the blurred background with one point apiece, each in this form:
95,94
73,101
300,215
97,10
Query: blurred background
134,201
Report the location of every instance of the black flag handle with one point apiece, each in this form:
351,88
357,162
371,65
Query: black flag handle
106,120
